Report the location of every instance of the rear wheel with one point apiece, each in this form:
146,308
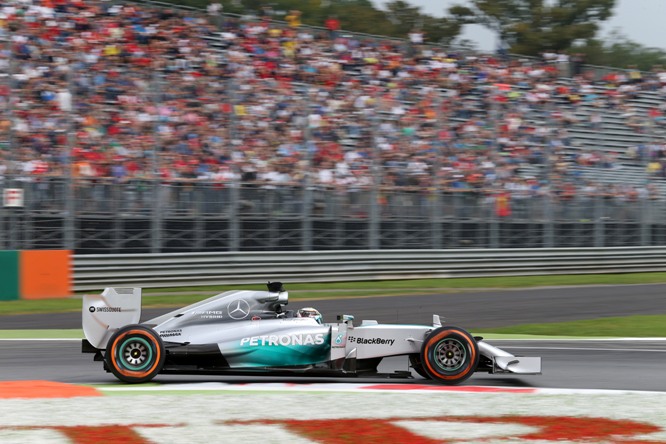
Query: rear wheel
449,355
135,354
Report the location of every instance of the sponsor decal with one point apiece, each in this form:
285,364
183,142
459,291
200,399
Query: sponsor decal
338,339
170,333
105,309
239,309
370,341
283,340
209,314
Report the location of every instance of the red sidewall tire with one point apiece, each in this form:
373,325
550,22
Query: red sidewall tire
449,355
135,354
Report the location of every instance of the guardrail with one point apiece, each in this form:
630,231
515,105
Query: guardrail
93,272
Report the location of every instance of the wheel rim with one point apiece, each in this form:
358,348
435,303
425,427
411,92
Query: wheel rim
450,355
135,354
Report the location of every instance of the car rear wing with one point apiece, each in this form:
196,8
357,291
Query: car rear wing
103,314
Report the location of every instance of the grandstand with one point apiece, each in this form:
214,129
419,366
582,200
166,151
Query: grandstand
147,109
614,138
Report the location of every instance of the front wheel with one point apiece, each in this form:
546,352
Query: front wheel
449,355
135,354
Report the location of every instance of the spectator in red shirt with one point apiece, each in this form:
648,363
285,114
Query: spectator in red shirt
333,25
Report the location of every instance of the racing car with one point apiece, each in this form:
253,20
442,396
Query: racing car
251,332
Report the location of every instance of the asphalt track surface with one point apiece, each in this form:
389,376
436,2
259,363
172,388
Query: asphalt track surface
609,365
612,364
470,310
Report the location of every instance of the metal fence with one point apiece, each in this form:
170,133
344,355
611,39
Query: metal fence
94,272
156,216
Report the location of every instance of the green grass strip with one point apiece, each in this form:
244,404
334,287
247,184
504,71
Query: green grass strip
41,306
652,326
42,334
449,283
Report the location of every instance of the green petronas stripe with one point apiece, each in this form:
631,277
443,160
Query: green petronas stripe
281,355
260,356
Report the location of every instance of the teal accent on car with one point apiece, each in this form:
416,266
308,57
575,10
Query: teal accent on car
124,349
264,355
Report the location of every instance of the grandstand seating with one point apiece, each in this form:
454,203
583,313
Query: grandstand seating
615,139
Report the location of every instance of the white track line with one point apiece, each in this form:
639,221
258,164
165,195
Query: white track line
363,388
589,349
547,338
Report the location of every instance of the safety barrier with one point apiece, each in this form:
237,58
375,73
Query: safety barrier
35,274
93,272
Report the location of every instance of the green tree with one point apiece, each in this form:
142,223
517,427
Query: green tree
618,51
359,18
532,26
441,30
404,18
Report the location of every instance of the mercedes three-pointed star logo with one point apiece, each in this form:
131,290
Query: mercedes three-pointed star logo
238,309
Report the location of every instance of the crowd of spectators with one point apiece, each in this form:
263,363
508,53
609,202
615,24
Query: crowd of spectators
128,92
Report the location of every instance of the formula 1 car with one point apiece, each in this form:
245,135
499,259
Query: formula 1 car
251,333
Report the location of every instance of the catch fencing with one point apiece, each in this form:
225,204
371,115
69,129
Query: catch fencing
94,272
97,216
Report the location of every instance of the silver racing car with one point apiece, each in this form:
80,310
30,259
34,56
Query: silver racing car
251,332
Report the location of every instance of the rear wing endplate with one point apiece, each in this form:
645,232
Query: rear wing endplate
103,314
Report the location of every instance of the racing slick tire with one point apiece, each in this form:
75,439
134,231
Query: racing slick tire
135,354
417,365
449,355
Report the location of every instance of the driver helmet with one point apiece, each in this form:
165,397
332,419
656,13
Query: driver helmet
309,312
